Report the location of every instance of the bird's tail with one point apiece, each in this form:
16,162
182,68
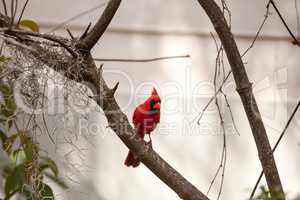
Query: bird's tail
131,160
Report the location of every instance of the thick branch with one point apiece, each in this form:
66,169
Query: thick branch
117,120
120,124
88,42
275,146
244,89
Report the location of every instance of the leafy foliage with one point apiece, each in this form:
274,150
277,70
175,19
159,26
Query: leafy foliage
22,167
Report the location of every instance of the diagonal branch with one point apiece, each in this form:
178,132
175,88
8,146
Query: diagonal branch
276,145
117,120
95,34
285,24
22,12
4,7
244,88
85,12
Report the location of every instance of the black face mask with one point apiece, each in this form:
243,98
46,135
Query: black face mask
152,109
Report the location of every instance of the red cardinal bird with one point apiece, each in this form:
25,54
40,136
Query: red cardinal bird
145,118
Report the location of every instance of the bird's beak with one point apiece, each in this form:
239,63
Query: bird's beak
156,106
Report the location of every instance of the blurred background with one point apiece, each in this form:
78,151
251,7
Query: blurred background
92,159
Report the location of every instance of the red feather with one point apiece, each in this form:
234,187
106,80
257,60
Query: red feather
145,118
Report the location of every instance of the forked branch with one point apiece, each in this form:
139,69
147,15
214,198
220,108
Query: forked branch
104,96
92,37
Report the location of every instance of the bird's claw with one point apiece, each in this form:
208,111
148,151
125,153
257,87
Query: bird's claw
149,143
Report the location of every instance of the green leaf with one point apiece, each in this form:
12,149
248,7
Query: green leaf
56,180
18,156
48,163
3,62
4,59
46,192
11,104
6,113
5,89
29,151
32,25
3,136
7,145
11,194
15,180
8,106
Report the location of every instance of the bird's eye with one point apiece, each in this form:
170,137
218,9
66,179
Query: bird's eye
152,102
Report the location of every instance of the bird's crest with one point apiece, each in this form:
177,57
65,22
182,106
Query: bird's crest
154,92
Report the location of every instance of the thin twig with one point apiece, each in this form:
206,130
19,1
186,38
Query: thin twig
15,43
224,151
285,24
22,12
259,30
225,9
1,47
87,43
276,145
4,7
224,163
43,115
297,18
86,31
44,36
230,111
229,73
70,34
16,8
12,5
139,60
218,63
212,98
89,11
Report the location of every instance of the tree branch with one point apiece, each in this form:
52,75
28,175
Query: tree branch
244,88
52,38
4,7
118,121
275,146
95,34
22,12
285,24
139,60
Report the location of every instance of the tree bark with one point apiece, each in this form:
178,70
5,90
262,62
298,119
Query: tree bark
244,88
117,120
88,42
